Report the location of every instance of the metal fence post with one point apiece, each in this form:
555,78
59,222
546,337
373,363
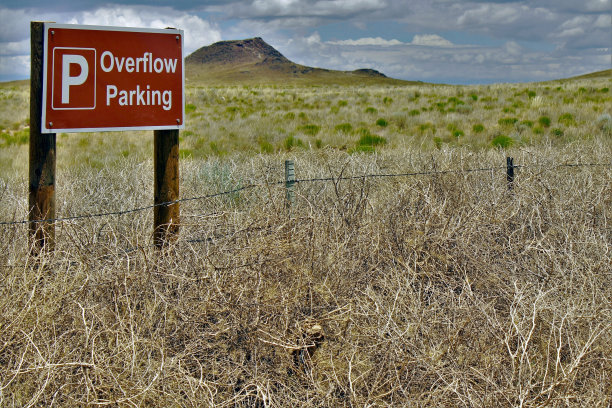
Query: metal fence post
290,182
510,172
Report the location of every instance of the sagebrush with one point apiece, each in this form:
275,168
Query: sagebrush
433,290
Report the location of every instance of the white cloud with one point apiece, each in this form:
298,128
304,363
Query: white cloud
15,48
294,8
431,40
571,32
463,58
315,38
15,66
604,59
14,24
583,32
198,32
513,48
245,28
491,14
578,21
598,5
377,41
544,14
603,21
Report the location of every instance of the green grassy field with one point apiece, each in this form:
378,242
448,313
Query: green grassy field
228,120
433,290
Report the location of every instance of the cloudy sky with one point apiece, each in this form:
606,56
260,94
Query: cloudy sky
450,41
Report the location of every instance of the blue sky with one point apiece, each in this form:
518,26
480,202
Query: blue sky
459,42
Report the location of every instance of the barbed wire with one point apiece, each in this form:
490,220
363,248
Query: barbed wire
134,210
443,172
297,181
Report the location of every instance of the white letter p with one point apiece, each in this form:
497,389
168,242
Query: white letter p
68,80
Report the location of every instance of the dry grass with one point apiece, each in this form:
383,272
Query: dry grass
441,290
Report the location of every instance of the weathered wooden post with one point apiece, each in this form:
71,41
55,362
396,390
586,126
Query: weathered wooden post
510,172
166,188
41,197
290,182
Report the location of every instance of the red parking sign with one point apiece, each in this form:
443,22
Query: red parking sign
112,78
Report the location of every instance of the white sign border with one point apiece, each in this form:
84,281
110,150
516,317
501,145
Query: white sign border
47,26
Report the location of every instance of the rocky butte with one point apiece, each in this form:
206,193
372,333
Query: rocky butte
253,61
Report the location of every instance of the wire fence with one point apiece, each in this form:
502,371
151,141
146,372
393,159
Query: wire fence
509,168
302,181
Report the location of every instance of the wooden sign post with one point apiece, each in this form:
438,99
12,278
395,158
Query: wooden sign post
166,189
41,197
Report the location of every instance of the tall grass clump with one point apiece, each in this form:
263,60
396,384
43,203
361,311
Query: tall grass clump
292,142
344,128
544,121
567,119
20,137
507,121
604,122
381,122
310,129
190,108
502,141
368,142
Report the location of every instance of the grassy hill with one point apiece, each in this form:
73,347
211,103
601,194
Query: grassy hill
605,74
253,61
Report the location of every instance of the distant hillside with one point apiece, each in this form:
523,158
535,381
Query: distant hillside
251,51
605,74
253,61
